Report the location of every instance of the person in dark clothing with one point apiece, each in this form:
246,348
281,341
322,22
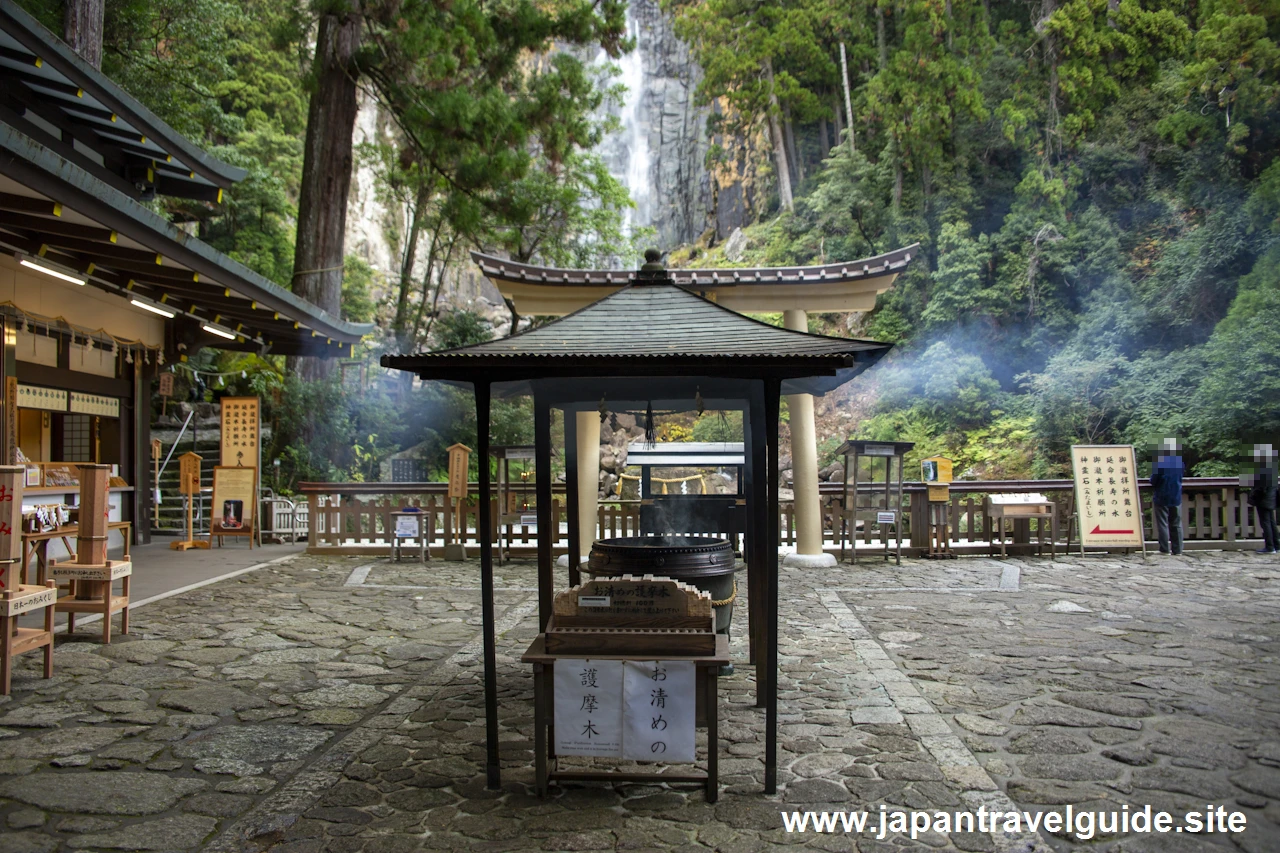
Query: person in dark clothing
1166,496
1262,496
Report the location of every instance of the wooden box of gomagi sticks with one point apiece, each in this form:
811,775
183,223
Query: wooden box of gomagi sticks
628,615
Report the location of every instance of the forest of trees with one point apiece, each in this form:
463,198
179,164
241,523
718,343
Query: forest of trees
1094,185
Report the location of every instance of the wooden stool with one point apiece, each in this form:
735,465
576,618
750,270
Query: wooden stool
26,598
90,575
89,591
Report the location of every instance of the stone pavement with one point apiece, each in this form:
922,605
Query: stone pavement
335,705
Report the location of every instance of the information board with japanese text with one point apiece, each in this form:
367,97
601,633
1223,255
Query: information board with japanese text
233,500
459,462
1107,501
240,432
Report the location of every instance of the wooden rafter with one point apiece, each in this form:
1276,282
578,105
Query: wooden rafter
27,204
66,150
29,224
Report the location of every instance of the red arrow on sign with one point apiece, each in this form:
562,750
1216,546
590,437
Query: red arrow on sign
1099,529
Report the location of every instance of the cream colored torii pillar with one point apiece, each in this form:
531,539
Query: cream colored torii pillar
804,470
588,479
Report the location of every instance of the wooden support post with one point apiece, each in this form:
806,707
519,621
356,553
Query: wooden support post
772,401
757,506
485,535
546,536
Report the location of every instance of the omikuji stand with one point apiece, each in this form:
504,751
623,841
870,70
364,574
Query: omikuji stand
91,575
17,598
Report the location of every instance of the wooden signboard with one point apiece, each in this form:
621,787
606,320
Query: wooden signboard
166,384
10,527
1107,503
189,485
233,501
936,472
240,432
10,421
17,598
459,463
189,473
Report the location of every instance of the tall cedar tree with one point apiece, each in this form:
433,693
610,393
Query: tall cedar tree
462,82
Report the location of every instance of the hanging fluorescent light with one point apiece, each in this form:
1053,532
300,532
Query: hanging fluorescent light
50,268
153,307
220,332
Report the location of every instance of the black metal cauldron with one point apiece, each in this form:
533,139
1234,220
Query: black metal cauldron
701,561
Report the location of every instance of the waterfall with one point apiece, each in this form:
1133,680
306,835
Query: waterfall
635,131
626,150
659,151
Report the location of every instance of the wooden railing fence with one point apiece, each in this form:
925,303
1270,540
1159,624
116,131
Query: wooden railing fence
356,517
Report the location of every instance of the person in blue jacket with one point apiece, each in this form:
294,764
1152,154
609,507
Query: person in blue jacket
1166,496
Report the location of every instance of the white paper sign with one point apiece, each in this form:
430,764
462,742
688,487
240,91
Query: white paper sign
588,712
659,719
407,526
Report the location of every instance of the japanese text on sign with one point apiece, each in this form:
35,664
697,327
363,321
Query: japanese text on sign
588,707
1107,501
658,711
240,432
641,710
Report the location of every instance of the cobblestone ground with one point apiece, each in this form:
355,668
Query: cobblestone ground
334,705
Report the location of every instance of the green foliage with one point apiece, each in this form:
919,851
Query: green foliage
718,426
460,328
359,282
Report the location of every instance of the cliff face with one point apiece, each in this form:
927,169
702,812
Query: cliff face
660,153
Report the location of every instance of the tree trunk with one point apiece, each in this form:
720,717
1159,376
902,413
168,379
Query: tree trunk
779,145
824,139
797,172
880,40
835,108
848,102
897,180
82,29
326,176
400,326
1047,8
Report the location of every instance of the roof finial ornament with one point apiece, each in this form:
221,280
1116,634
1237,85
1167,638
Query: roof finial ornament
653,270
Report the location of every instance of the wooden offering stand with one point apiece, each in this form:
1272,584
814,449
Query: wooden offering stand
16,597
1021,508
189,484
629,618
90,575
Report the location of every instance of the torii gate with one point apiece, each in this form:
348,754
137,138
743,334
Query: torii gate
794,291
